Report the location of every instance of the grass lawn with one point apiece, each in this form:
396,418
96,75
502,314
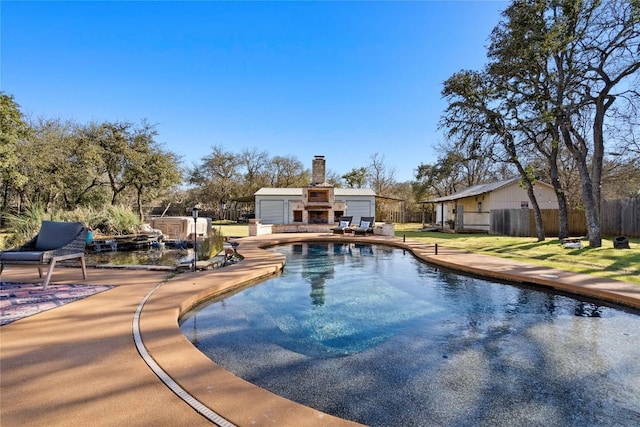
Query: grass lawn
232,229
620,264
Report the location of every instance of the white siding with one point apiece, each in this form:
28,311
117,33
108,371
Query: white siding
271,211
359,208
275,205
512,196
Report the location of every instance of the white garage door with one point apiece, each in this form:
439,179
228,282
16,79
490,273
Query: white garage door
272,211
358,209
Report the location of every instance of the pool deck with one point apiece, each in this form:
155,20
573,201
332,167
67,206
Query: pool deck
80,364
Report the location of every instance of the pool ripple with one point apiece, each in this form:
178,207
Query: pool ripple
372,335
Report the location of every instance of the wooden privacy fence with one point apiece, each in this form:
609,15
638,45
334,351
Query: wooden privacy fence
510,222
617,218
521,222
620,217
551,222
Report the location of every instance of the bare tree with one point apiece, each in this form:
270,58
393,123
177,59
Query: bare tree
381,177
254,163
287,172
596,55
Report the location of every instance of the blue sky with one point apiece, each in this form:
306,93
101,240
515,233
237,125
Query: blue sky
341,79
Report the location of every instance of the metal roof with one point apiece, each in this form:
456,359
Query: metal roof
354,192
270,191
474,190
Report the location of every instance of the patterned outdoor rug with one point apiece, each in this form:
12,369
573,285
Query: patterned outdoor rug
18,300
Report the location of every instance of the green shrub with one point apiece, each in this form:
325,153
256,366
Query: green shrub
115,220
24,227
111,220
210,246
87,216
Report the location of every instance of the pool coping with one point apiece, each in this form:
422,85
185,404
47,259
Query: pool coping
238,402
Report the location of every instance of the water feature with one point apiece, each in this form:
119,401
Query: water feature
149,257
369,333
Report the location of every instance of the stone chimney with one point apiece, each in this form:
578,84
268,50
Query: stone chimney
318,174
318,204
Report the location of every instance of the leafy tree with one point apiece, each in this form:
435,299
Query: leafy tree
58,165
112,141
126,158
356,177
558,67
152,171
13,129
526,83
217,178
85,184
484,123
591,50
454,170
51,175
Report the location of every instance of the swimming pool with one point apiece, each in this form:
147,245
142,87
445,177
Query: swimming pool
371,334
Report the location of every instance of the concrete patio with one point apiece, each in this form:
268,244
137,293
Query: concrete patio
79,364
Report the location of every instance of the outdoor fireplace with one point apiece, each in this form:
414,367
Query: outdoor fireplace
319,217
314,208
319,205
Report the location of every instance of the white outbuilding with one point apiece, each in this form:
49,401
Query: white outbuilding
292,206
315,207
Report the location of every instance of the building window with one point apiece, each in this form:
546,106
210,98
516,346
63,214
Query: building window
479,206
297,216
524,205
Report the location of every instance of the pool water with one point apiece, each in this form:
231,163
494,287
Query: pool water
371,334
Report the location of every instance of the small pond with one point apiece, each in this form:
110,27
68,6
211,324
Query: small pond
169,257
371,334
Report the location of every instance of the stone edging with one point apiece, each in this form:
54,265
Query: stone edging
238,401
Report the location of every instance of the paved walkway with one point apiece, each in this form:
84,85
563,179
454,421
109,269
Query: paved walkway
79,365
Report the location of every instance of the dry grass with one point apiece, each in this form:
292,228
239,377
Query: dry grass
233,230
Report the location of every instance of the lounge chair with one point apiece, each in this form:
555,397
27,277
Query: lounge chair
56,241
345,223
366,226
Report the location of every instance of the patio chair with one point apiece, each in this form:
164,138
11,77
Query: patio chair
366,226
56,241
345,223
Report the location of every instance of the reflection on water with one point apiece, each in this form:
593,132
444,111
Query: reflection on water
153,256
373,335
314,272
